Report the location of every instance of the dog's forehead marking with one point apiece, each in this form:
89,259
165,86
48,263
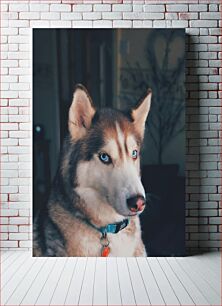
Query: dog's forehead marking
131,142
120,139
112,148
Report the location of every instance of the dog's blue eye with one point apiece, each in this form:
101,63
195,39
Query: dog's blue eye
105,158
134,154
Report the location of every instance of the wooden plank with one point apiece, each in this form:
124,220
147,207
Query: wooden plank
64,282
74,290
180,291
167,291
126,289
100,283
214,280
17,278
17,296
4,255
11,271
47,291
86,294
139,289
110,281
113,286
190,286
209,261
151,285
208,292
32,294
10,261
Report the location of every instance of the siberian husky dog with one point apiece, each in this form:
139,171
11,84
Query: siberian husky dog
97,194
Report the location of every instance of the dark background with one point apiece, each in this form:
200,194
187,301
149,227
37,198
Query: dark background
117,67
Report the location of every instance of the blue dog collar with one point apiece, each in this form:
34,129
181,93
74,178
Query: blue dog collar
114,228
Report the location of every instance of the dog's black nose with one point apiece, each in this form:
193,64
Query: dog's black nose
136,203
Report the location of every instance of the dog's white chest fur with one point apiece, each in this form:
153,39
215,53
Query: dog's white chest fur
122,244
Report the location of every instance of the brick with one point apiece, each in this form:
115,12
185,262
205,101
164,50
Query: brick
9,63
52,16
171,16
122,23
25,244
112,15
138,23
9,31
19,118
19,71
36,7
18,236
9,212
135,15
71,16
82,24
122,7
24,229
18,23
29,15
154,8
147,23
180,23
9,142
60,24
208,212
3,220
216,31
210,244
203,23
18,150
213,7
18,220
177,8
82,8
137,7
9,244
60,7
197,7
4,7
102,7
215,236
24,213
102,23
18,7
188,16
92,15
9,126
214,63
162,23
209,228
19,102
199,236
208,15
208,205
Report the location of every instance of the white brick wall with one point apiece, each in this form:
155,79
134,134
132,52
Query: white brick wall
203,77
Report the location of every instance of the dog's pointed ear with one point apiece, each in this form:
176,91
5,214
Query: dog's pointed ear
140,113
81,112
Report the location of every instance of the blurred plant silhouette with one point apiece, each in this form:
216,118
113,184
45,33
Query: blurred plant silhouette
166,119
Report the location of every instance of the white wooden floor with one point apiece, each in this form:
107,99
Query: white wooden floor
194,280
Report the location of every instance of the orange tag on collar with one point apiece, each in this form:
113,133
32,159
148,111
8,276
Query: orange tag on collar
105,251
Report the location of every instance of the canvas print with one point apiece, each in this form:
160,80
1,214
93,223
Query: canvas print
109,142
